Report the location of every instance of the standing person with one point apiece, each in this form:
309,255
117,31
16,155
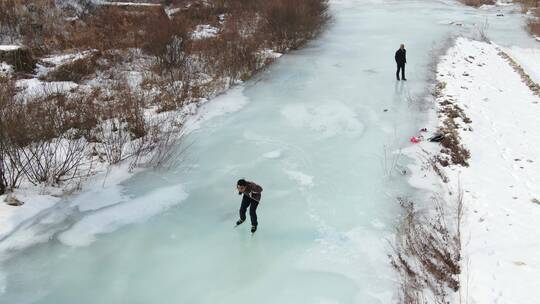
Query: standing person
401,60
251,199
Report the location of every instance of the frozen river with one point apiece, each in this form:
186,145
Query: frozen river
312,130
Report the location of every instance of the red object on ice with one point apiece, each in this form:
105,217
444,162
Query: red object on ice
415,140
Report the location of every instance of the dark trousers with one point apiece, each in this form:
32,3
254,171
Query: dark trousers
252,204
400,66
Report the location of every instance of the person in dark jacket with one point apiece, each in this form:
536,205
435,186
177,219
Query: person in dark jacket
251,199
401,60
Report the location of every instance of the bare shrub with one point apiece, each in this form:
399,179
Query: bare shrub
123,121
434,163
36,142
76,70
54,161
10,167
170,45
40,25
427,253
112,137
21,59
290,23
115,27
152,142
482,31
169,145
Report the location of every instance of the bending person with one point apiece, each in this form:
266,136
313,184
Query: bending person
251,199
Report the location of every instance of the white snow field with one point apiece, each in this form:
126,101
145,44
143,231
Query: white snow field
501,240
312,130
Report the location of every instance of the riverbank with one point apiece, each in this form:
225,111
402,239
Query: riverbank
489,108
21,225
95,111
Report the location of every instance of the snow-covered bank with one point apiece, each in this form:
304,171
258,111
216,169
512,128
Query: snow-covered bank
500,237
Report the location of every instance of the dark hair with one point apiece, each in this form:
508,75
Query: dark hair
241,182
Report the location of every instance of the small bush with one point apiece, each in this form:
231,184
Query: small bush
75,71
290,23
21,59
427,252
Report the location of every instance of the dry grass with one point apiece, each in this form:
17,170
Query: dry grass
452,151
527,80
427,253
477,3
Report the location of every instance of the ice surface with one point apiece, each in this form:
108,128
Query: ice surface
328,206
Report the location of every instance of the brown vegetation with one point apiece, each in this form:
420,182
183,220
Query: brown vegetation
527,80
451,114
76,70
534,7
477,3
428,252
21,59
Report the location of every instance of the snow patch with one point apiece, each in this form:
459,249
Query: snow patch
172,11
34,87
269,54
5,69
203,31
65,58
107,220
11,217
128,4
273,154
329,119
301,178
9,47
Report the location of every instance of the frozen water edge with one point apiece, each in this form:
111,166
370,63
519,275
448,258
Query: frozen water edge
102,191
